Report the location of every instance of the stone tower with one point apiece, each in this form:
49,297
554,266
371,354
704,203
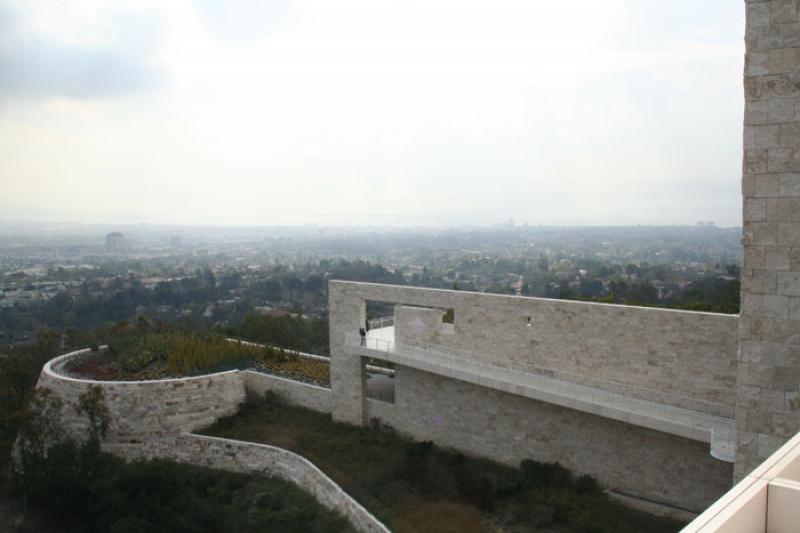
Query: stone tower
768,395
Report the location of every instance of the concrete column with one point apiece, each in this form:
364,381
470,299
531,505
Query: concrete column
347,313
768,381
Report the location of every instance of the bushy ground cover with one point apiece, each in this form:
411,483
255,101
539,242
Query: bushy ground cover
142,350
79,489
416,486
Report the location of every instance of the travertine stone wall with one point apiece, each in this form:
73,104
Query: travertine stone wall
152,419
769,358
295,393
254,458
479,421
144,411
679,352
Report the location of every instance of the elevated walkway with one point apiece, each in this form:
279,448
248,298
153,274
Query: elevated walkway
685,417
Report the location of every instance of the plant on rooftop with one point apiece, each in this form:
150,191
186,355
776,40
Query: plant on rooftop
141,349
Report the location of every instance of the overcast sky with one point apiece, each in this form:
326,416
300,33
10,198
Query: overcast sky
371,112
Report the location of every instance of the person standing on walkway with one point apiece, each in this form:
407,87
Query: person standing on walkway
363,333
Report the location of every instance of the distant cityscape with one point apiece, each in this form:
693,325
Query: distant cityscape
74,277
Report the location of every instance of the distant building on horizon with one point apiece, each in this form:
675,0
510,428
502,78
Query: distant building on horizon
115,241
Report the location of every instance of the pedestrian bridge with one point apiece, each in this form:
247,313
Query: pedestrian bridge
683,416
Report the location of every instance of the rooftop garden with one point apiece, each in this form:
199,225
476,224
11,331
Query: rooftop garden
416,486
142,350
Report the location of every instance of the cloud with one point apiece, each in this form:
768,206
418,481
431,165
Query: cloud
242,21
36,64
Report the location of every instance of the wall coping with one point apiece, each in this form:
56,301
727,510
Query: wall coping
49,370
287,380
576,303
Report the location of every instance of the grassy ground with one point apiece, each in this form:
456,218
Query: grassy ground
415,486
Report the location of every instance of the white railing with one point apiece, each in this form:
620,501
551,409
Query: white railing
553,379
382,322
314,357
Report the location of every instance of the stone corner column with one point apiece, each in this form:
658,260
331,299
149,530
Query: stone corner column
768,382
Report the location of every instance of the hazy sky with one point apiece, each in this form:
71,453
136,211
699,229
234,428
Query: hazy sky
371,112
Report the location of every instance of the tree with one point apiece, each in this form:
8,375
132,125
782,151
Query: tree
92,404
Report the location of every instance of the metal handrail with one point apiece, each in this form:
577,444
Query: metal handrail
721,412
382,322
314,357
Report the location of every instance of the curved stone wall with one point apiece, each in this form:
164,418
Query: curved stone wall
145,411
248,457
153,419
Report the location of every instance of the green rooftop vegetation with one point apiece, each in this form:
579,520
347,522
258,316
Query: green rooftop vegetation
141,350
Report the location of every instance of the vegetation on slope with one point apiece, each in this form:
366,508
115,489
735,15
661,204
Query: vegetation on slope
415,486
77,488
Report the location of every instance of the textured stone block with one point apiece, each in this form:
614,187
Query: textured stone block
779,209
765,233
766,136
781,160
782,11
784,60
748,397
788,283
788,185
756,113
775,306
755,161
757,64
788,234
788,136
758,14
759,282
755,210
755,257
772,400
776,259
784,425
767,444
794,308
781,110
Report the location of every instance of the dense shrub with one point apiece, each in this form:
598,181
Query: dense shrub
78,488
410,485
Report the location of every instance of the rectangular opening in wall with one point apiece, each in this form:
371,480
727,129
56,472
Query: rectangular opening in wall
449,320
379,315
380,380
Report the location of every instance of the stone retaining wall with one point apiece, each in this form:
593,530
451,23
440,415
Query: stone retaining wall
665,469
248,457
143,411
152,419
294,392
